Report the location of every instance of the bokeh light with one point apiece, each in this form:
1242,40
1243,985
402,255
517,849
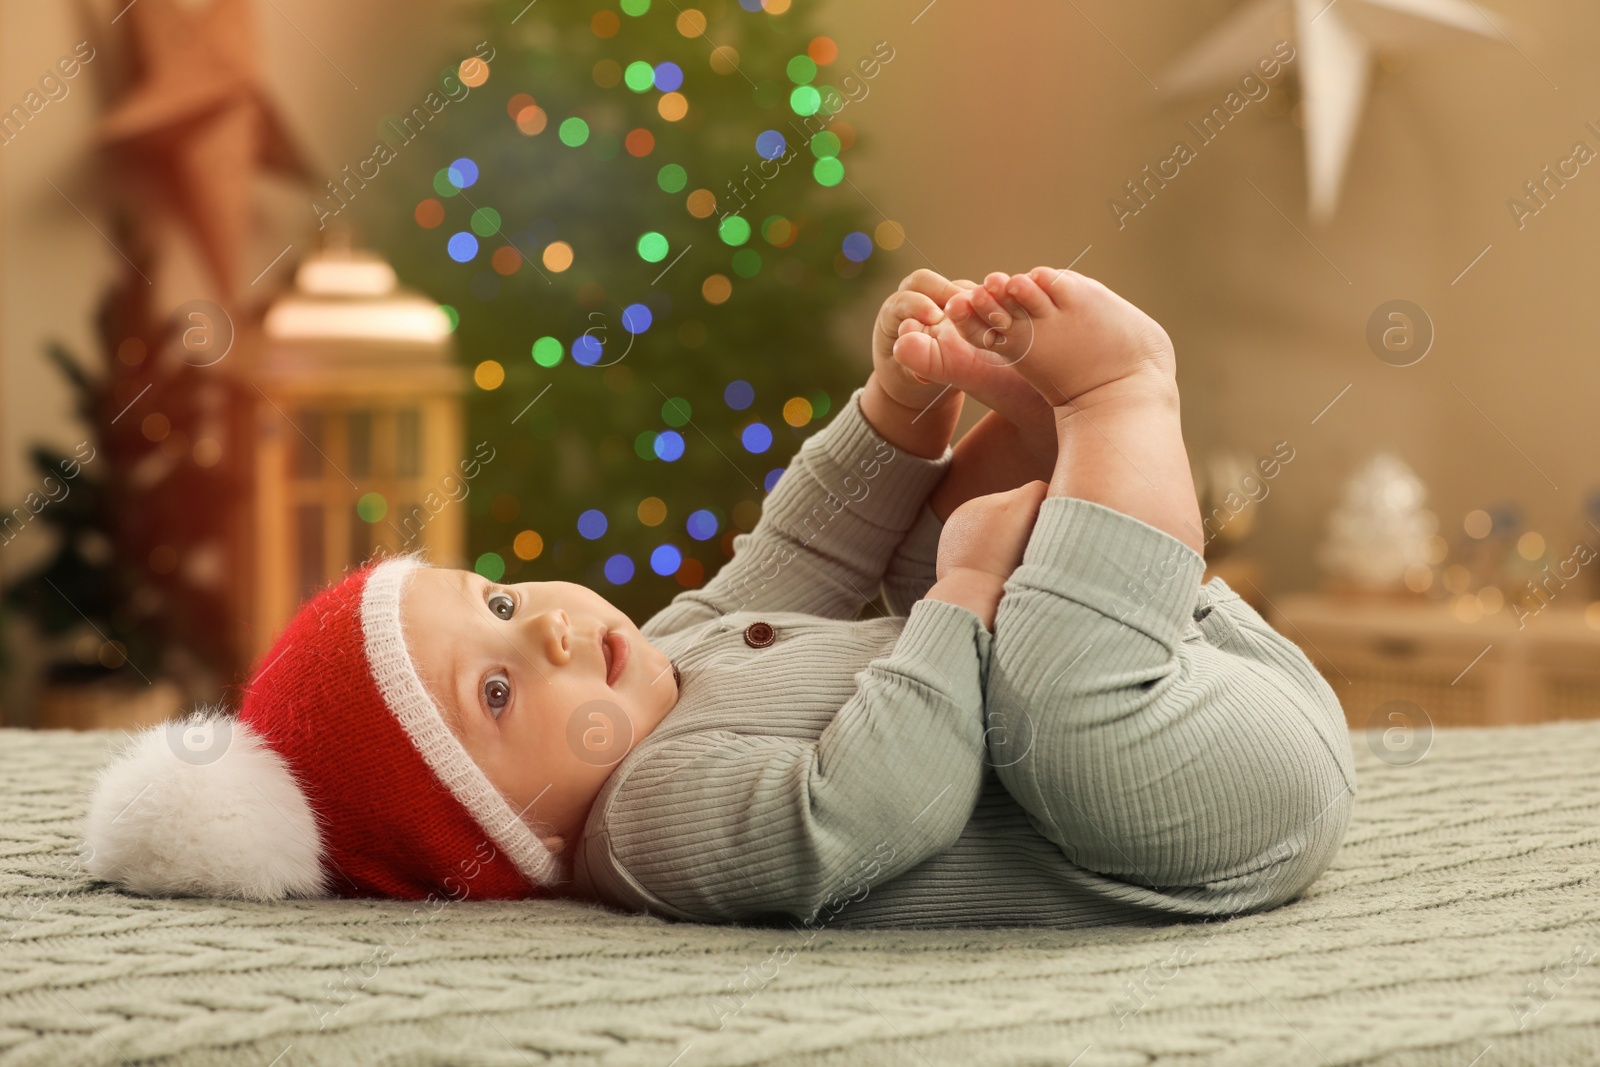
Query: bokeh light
443,184
557,256
805,100
797,411
702,202
652,511
1477,524
668,77
491,565
779,231
531,120
801,69
547,351
725,59
574,132
528,544
672,106
770,144
889,235
489,375
607,73
747,263
605,24
757,437
452,315
463,173
472,71
462,247
619,569
640,143
587,350
592,524
675,411
485,222
716,289
635,7
636,318
653,247
639,76
671,178
828,172
506,260
770,482
665,560
429,213
669,445
857,247
826,145
822,51
702,525
739,394
517,102
691,23
734,230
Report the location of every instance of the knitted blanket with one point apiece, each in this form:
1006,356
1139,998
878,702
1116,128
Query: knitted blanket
1460,925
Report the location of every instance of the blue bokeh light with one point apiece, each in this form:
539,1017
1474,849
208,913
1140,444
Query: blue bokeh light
857,247
771,145
636,318
669,445
587,350
619,569
739,395
592,523
756,437
666,559
669,77
464,173
462,247
772,478
702,525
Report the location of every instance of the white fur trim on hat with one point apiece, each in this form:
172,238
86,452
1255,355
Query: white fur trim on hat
203,806
408,699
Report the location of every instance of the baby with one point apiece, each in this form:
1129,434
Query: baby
1056,724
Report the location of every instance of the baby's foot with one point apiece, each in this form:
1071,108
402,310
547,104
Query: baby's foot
1075,340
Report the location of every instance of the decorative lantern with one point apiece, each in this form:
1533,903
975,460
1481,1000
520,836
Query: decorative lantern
359,421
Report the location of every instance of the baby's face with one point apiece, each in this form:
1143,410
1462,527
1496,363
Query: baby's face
546,684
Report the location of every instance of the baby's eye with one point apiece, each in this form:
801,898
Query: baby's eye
496,694
502,605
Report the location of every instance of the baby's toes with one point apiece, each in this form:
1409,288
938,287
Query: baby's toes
990,311
1031,292
960,313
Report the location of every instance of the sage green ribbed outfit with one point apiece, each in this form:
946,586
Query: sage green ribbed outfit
1129,745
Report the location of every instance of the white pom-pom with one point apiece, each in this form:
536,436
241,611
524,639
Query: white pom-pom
203,806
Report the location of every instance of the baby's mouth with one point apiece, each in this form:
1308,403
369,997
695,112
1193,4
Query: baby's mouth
615,648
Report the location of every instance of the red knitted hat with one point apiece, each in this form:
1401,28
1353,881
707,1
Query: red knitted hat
339,775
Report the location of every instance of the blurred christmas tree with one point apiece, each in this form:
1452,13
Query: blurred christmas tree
639,217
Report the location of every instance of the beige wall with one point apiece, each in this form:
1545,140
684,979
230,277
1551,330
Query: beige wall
996,136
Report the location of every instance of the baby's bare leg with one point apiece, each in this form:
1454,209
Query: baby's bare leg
1107,369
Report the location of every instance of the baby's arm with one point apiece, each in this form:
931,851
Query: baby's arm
848,496
725,827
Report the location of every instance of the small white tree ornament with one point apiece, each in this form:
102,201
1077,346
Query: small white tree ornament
1380,528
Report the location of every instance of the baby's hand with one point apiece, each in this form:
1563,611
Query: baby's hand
981,544
920,299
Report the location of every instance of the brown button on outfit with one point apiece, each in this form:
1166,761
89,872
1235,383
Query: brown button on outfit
759,634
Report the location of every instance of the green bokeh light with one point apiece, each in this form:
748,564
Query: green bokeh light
747,263
639,76
828,172
547,351
672,178
819,403
801,70
491,566
442,183
486,222
826,145
372,507
452,314
635,7
734,230
574,132
805,100
676,411
653,247
644,445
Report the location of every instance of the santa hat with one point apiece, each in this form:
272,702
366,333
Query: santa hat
338,776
